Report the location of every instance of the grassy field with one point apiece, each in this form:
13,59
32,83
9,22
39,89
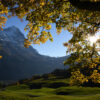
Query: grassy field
50,88
22,92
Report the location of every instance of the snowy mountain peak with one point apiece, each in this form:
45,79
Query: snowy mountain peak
11,34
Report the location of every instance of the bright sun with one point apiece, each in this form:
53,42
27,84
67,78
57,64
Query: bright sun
93,39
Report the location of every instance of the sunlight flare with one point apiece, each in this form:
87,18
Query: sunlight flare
93,39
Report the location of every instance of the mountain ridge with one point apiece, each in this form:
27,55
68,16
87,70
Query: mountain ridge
19,62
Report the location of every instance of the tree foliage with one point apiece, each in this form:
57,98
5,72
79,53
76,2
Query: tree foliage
40,15
85,61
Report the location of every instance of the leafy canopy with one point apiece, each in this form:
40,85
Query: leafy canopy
40,14
84,62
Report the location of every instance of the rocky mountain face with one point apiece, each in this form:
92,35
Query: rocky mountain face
19,62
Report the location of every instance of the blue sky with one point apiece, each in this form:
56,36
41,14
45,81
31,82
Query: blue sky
53,49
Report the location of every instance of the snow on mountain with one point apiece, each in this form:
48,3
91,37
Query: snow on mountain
12,34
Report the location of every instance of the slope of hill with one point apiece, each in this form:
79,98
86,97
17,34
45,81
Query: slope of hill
19,62
52,86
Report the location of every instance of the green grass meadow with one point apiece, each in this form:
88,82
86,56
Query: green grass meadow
22,92
49,89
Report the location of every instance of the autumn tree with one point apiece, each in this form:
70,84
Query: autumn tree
42,13
85,62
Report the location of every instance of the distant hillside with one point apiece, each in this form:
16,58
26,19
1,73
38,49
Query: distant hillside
19,62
